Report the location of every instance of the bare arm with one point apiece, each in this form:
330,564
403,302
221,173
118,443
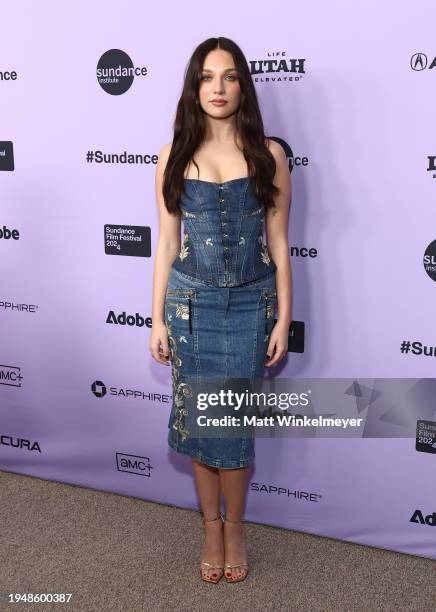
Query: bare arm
277,241
168,248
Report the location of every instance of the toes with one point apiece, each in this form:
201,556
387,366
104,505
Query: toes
237,574
210,574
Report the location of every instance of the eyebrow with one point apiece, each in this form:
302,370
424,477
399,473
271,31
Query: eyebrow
225,69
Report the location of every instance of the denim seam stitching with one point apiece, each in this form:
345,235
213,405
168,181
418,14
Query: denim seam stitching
253,359
203,216
195,340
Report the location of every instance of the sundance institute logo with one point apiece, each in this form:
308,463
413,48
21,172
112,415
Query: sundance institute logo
430,260
115,72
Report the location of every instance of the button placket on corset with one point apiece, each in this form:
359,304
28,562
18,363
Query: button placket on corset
224,235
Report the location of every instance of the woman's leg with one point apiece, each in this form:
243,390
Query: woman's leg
234,486
209,492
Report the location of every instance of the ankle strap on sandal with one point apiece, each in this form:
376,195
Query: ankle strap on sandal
241,522
213,519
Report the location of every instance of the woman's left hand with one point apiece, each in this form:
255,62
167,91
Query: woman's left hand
278,344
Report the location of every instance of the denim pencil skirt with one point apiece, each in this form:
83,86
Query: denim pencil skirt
215,332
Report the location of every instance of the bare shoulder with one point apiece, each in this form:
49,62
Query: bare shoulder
166,219
276,149
166,149
164,154
282,178
162,160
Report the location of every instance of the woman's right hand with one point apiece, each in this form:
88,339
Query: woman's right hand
158,345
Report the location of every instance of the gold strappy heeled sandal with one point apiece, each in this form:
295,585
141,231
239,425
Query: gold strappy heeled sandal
242,566
205,566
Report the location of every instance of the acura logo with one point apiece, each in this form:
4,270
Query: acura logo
418,61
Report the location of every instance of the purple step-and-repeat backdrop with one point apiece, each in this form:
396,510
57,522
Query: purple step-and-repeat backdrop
346,89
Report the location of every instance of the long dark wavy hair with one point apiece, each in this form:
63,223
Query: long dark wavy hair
190,128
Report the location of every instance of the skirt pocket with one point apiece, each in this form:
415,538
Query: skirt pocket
178,308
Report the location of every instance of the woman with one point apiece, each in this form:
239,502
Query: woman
214,294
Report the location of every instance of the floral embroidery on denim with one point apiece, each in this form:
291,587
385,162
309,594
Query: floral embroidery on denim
184,251
264,255
181,389
182,311
269,311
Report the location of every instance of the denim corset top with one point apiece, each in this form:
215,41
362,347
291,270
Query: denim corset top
223,227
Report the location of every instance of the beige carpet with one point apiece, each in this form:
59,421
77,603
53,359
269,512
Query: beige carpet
121,553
